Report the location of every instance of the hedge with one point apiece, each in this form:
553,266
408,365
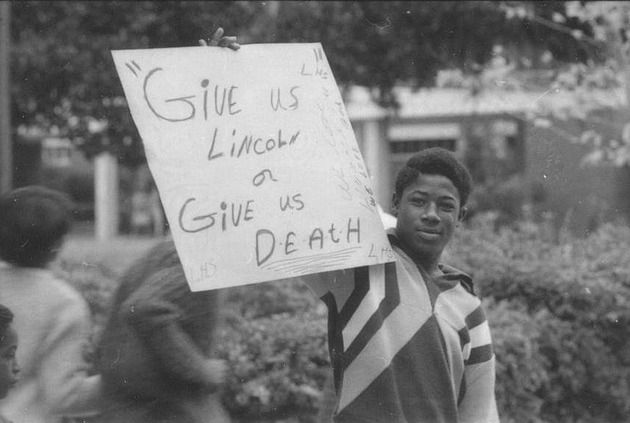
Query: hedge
559,315
567,354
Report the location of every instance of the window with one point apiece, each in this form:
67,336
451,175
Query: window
56,152
413,146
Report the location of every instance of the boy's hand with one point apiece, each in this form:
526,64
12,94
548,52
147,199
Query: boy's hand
219,40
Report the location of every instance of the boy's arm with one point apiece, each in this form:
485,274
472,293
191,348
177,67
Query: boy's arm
65,385
335,282
479,402
156,320
319,283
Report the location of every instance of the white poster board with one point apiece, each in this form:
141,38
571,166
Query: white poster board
255,160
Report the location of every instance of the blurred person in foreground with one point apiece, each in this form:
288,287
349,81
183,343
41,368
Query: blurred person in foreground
155,354
52,318
156,351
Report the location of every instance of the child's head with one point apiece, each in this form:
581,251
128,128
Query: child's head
435,161
33,223
9,368
430,194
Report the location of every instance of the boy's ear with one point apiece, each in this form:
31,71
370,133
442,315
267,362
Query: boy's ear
395,205
463,212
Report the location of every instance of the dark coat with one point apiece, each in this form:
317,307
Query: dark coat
155,346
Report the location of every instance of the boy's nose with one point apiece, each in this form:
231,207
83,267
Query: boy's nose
430,212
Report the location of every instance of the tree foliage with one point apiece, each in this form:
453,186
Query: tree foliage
64,79
598,79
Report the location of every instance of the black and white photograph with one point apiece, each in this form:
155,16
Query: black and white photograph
314,211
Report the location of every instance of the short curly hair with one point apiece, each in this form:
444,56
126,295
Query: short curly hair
435,161
6,318
33,222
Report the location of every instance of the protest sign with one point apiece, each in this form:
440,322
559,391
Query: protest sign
255,161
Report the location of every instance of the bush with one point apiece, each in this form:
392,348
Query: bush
275,341
278,365
521,368
506,198
559,315
578,295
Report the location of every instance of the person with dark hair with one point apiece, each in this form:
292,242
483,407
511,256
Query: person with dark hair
408,340
51,317
40,218
155,354
9,369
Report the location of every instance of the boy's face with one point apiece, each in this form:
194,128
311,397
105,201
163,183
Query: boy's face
428,211
9,368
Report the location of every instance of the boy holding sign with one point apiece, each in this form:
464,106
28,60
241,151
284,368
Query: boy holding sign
409,340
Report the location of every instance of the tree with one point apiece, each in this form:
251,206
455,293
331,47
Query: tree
64,81
611,32
599,79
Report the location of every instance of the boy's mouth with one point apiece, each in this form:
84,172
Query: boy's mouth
429,234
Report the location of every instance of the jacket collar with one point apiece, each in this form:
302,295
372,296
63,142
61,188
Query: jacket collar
450,273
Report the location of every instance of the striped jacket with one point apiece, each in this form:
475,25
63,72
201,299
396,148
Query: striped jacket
407,348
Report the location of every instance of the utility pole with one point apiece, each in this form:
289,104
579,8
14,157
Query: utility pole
6,147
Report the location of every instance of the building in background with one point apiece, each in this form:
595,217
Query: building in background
511,158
